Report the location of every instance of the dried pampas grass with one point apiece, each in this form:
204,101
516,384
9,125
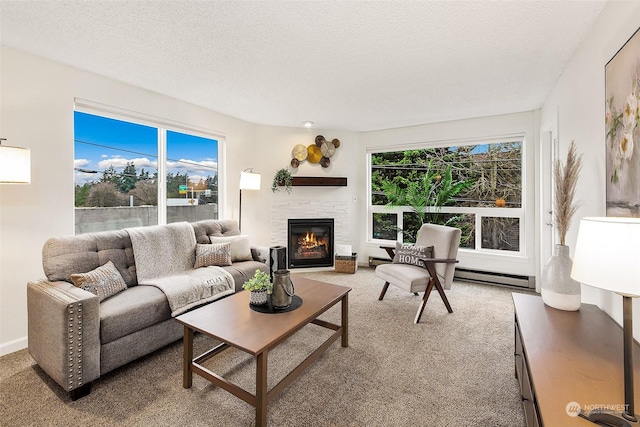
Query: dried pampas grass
566,178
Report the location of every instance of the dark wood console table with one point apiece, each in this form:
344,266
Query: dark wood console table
568,356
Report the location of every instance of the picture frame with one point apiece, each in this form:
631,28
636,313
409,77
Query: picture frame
622,130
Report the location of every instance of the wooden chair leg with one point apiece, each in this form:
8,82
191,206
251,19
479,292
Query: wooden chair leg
384,291
443,295
423,303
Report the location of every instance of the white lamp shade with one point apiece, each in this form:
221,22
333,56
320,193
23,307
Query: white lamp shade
15,165
249,181
607,254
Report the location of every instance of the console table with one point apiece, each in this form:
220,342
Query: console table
568,356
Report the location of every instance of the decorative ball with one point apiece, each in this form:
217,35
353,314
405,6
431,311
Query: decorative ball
336,143
295,163
325,162
319,140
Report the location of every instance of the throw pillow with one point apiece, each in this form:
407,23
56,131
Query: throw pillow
104,281
218,254
407,253
240,249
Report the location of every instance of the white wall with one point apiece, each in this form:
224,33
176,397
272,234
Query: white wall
37,103
579,100
483,127
272,151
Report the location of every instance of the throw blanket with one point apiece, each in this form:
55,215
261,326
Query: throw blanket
165,255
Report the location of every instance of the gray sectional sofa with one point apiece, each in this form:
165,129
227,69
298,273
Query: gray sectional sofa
76,337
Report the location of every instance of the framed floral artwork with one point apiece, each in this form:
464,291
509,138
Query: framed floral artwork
622,124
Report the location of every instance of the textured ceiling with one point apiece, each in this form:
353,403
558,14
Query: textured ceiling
353,65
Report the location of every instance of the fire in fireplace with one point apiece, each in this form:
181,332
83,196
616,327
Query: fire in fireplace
310,242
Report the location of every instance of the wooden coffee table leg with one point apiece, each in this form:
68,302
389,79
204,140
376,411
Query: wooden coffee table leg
261,390
187,374
345,320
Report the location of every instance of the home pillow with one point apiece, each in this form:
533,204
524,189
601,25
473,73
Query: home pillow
408,253
104,281
240,249
218,254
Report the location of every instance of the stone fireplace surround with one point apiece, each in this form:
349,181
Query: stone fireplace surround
281,211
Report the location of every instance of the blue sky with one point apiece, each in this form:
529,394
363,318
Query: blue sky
102,142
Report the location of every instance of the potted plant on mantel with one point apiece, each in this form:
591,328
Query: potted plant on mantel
558,289
259,286
282,178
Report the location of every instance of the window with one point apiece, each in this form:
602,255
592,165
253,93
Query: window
488,209
132,173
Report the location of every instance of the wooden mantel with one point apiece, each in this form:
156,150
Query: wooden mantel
318,181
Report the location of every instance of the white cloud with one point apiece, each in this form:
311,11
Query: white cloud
120,162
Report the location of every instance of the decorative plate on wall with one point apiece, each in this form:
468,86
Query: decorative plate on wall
314,154
299,152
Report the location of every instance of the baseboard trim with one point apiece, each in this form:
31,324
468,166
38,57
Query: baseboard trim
13,346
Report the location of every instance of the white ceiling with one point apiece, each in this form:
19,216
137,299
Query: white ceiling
352,65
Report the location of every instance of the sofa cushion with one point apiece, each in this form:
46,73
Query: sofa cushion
217,254
240,248
244,270
132,310
66,255
214,227
104,281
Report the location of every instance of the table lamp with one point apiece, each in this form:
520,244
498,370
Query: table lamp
607,256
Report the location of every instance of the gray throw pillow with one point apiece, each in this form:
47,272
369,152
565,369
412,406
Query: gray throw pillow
408,253
104,281
218,254
240,248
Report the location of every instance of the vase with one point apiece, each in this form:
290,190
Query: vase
558,289
258,297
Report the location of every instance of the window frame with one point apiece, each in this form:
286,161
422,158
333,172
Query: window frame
162,125
478,212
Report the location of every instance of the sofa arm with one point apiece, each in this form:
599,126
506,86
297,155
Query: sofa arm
260,254
64,332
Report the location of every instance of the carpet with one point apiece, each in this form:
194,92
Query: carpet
450,370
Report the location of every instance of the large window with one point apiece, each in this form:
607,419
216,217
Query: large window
134,173
488,210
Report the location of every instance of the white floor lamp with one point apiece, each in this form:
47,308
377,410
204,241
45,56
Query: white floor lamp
248,181
607,256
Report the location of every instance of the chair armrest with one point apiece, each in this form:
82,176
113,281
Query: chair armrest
391,250
64,332
439,260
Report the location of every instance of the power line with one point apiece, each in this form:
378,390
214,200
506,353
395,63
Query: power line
199,165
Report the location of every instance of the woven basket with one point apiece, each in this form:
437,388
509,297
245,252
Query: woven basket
346,263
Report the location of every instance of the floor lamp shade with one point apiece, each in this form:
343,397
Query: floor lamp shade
607,254
15,165
249,181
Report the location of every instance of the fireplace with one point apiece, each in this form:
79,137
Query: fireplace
310,242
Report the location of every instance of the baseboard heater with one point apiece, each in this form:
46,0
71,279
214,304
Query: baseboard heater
489,277
477,276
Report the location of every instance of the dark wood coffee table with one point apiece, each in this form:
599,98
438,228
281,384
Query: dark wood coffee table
233,322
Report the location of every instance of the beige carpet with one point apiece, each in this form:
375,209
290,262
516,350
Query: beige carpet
449,370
